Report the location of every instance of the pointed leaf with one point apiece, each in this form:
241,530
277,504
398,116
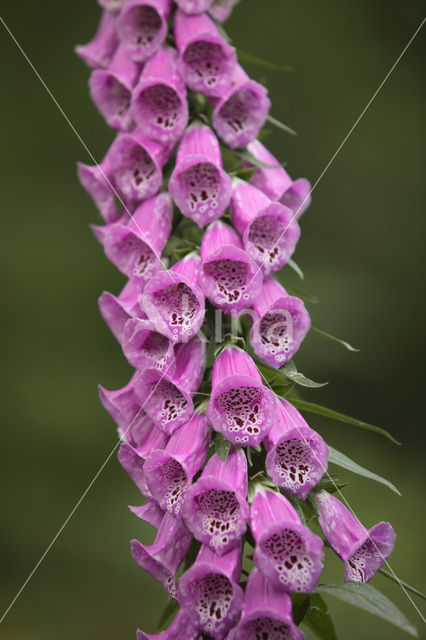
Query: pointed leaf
318,619
260,62
290,371
293,265
324,334
293,291
406,586
281,125
346,463
221,446
244,174
366,597
300,602
249,157
341,417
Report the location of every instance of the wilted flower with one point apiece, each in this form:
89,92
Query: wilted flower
364,551
198,184
215,507
297,455
209,592
280,325
287,553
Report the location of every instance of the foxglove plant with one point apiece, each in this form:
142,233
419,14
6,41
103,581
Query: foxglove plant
231,475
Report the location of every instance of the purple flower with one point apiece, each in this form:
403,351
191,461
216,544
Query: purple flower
163,558
145,348
136,165
363,551
99,184
98,53
276,183
179,629
281,325
241,113
142,26
174,302
241,408
117,310
111,90
297,455
206,60
269,229
220,10
159,103
135,247
198,184
168,397
287,553
215,507
150,512
209,592
229,277
267,613
169,472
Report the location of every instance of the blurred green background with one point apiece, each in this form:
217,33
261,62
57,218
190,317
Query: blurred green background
361,251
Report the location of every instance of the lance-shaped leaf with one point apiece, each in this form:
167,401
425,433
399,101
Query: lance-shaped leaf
346,463
281,125
260,62
293,265
402,584
294,291
319,620
290,371
341,417
366,597
324,334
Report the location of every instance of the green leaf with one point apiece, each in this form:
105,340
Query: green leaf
324,334
303,295
318,619
290,371
249,157
293,265
244,174
331,483
341,417
169,613
346,463
366,597
406,586
260,62
281,125
300,602
283,390
221,446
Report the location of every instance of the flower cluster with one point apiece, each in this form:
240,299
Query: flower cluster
162,73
